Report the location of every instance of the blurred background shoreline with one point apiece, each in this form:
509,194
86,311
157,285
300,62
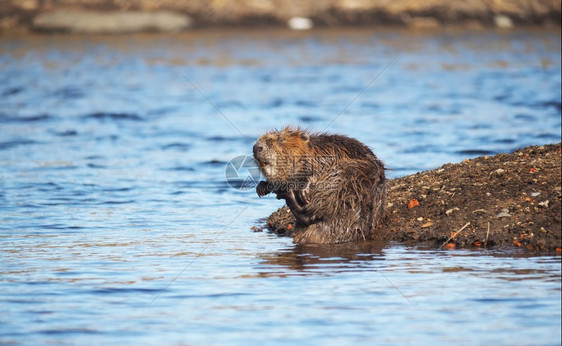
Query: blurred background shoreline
115,16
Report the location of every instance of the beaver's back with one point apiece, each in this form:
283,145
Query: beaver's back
340,146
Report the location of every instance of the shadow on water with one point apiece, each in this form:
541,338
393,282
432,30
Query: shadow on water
327,258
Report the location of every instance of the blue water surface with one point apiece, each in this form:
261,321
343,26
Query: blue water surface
117,223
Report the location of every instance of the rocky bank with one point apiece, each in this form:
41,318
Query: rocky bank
106,16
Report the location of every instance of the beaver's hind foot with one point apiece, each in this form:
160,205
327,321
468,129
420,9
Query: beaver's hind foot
317,233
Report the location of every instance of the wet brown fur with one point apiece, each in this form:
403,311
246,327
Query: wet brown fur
333,184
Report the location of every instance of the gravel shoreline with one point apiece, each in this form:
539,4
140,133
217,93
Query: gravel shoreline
93,16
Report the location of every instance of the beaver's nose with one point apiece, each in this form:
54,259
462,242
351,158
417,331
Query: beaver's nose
258,148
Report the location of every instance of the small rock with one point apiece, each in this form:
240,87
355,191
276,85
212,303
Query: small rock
413,203
535,194
498,171
503,213
450,211
544,203
300,23
450,246
420,218
426,225
503,22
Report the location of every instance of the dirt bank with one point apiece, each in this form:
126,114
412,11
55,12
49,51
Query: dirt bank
22,14
507,200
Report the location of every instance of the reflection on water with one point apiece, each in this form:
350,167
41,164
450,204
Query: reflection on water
314,258
117,223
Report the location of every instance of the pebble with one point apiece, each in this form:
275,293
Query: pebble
450,211
498,171
503,213
503,22
544,203
300,23
535,194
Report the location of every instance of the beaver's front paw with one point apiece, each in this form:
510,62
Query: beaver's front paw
281,194
302,197
262,188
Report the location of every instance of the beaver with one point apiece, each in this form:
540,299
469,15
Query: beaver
333,184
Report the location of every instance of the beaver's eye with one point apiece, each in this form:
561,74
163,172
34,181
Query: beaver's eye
281,139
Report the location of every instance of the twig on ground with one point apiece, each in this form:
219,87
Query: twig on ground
454,234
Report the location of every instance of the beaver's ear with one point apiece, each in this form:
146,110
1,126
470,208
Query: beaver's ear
305,136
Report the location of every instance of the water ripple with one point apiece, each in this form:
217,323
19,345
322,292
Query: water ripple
113,116
16,142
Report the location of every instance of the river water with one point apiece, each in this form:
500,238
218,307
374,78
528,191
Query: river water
117,222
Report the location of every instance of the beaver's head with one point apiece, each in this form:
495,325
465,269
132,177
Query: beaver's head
281,155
